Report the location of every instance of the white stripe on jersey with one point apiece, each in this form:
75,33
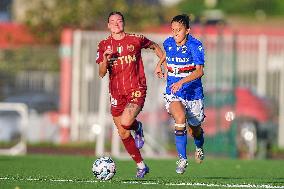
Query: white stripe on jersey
176,68
178,74
179,66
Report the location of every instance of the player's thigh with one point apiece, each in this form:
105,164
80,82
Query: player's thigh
135,102
123,133
195,113
130,113
177,111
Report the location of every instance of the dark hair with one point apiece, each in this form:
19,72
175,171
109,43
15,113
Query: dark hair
183,19
114,13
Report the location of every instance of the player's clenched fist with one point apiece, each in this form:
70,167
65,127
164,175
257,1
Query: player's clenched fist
107,54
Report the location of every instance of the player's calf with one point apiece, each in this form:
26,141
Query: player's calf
181,140
197,133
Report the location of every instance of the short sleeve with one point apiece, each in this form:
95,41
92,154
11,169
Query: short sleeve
198,56
145,42
166,45
100,53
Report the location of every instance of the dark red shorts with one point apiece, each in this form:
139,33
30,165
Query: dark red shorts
119,102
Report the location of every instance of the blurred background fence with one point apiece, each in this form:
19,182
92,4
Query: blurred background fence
28,80
50,72
243,85
29,68
240,70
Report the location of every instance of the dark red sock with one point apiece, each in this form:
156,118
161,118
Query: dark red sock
131,148
133,126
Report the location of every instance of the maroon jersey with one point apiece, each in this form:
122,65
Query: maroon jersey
126,70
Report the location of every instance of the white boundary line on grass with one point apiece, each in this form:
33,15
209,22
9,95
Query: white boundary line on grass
267,186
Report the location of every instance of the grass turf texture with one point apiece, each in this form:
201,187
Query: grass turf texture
38,171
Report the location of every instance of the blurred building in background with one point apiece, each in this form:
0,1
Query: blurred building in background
29,82
5,11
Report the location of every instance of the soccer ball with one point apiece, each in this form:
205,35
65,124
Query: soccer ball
104,168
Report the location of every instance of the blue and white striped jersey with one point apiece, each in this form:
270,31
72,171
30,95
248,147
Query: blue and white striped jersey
181,62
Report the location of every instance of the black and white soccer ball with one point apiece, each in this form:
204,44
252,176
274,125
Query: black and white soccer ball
104,168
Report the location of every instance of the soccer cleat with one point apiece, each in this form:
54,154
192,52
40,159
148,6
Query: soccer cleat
139,136
181,166
199,155
142,172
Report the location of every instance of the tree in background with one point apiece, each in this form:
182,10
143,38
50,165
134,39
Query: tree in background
241,8
47,18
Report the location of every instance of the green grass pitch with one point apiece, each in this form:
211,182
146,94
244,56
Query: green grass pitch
41,171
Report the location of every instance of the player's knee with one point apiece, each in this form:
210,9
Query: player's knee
123,133
180,129
127,127
180,119
126,123
180,132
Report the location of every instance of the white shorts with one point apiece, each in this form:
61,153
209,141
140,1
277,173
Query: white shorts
194,109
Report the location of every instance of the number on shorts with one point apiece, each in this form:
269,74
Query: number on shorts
136,94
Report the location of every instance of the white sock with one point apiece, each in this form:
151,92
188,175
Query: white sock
141,165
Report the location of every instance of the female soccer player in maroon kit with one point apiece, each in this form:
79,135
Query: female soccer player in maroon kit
120,55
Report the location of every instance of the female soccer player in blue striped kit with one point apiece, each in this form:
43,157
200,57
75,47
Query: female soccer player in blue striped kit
184,62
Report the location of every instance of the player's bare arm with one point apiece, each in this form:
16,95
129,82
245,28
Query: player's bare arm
157,49
159,52
197,73
158,70
104,64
